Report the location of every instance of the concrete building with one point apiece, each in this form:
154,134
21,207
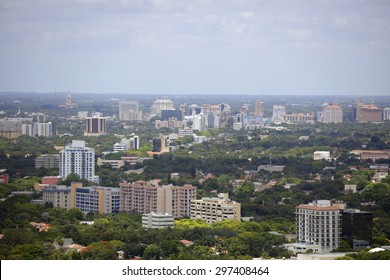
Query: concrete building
318,226
278,111
367,112
259,108
12,127
78,159
372,154
332,114
162,104
47,161
386,114
129,111
318,155
87,199
58,196
146,197
157,220
215,209
299,118
95,125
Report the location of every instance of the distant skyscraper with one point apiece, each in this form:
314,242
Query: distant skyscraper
386,114
332,114
259,108
78,159
95,125
162,104
367,112
277,113
129,111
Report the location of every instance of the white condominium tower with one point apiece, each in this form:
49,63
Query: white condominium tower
78,159
318,226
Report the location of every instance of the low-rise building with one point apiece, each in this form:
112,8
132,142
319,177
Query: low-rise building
157,220
215,209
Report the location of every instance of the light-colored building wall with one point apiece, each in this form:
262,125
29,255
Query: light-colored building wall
157,220
215,209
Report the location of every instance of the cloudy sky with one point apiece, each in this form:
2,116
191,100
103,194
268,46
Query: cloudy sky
196,46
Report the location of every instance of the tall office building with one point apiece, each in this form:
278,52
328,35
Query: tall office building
78,159
145,197
318,226
129,111
215,209
278,111
259,108
95,125
162,104
332,114
357,228
386,114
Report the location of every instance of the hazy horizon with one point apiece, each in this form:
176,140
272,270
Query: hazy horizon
248,47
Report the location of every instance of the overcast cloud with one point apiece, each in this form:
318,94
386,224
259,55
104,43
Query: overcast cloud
202,46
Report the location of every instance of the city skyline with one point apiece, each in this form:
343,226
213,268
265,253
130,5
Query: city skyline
191,47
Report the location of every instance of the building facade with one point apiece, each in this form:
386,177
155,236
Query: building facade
78,159
95,125
129,111
144,197
259,108
215,209
157,220
162,104
357,228
299,118
332,114
318,226
47,161
278,111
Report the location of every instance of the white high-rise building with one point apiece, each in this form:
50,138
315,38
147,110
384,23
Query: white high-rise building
332,114
277,113
129,111
318,226
162,104
386,114
78,159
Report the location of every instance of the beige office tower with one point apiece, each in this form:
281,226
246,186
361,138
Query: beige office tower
332,114
259,108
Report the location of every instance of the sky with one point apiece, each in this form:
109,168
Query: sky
261,47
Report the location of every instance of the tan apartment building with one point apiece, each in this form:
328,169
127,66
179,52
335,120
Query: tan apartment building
215,209
146,197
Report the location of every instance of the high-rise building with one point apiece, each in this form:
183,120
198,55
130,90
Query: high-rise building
162,104
357,228
367,112
58,196
259,108
318,226
129,111
332,114
14,127
278,111
78,159
95,125
215,209
386,114
145,197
